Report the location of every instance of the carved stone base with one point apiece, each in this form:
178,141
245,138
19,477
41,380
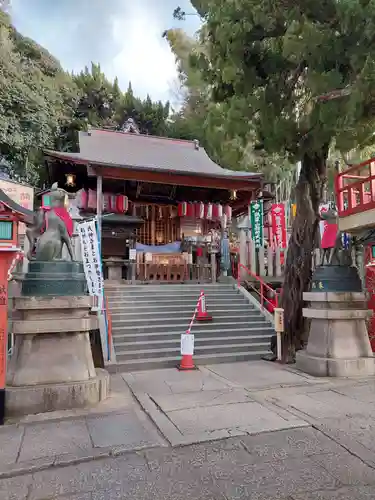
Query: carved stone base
41,398
52,342
338,344
55,278
52,366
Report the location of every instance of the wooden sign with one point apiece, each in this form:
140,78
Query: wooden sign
279,319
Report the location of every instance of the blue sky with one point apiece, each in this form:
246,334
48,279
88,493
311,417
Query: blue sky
124,36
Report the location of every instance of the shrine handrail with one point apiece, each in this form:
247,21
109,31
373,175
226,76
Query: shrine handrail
357,196
263,286
108,320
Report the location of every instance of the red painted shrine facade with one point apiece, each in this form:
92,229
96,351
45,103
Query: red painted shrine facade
162,202
355,194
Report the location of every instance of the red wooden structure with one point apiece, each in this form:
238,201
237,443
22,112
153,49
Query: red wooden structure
10,215
355,195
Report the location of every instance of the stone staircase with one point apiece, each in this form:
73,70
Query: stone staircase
148,320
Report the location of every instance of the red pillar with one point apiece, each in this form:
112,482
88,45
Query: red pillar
6,257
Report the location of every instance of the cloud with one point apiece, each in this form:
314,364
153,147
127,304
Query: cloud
124,36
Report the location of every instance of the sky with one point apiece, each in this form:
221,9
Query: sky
124,36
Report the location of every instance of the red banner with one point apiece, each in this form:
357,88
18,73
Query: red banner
279,224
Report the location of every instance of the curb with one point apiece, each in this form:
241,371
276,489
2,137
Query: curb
46,463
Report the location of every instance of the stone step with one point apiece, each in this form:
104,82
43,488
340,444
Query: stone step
182,321
123,355
150,311
183,325
173,361
158,286
181,301
248,332
148,320
122,345
172,295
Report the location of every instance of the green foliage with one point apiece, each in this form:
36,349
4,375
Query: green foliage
36,97
220,127
274,60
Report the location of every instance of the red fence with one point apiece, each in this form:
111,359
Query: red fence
269,302
355,188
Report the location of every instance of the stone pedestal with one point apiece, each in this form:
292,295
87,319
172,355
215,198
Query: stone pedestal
114,269
56,278
338,344
52,366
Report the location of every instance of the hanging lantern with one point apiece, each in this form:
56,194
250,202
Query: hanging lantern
70,180
233,195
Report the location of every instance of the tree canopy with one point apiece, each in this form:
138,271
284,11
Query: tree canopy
279,63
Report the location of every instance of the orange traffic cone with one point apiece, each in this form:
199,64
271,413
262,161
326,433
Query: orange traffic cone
202,310
187,349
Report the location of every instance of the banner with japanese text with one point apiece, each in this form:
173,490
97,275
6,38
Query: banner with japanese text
256,222
92,260
278,224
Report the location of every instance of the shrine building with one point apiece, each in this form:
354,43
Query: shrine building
162,204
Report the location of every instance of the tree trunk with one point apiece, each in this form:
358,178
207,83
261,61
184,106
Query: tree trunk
309,192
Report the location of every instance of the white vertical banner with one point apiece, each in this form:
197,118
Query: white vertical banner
92,263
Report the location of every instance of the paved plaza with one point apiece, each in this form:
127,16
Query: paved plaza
247,430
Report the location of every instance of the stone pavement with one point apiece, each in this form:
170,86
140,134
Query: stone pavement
279,434
297,464
48,440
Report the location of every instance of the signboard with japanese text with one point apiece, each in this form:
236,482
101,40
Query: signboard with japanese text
92,260
133,254
256,221
279,319
279,224
21,194
187,344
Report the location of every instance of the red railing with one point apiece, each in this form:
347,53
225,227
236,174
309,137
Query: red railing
355,188
263,287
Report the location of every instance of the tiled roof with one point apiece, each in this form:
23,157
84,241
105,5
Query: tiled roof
149,152
27,215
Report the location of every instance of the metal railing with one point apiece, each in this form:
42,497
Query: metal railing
263,287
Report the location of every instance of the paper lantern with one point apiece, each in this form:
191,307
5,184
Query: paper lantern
228,212
182,209
106,202
91,204
81,199
208,211
190,210
199,210
112,200
122,204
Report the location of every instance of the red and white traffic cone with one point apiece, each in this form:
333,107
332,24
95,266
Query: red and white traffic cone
202,309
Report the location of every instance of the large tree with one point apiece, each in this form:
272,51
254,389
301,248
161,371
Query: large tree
296,76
